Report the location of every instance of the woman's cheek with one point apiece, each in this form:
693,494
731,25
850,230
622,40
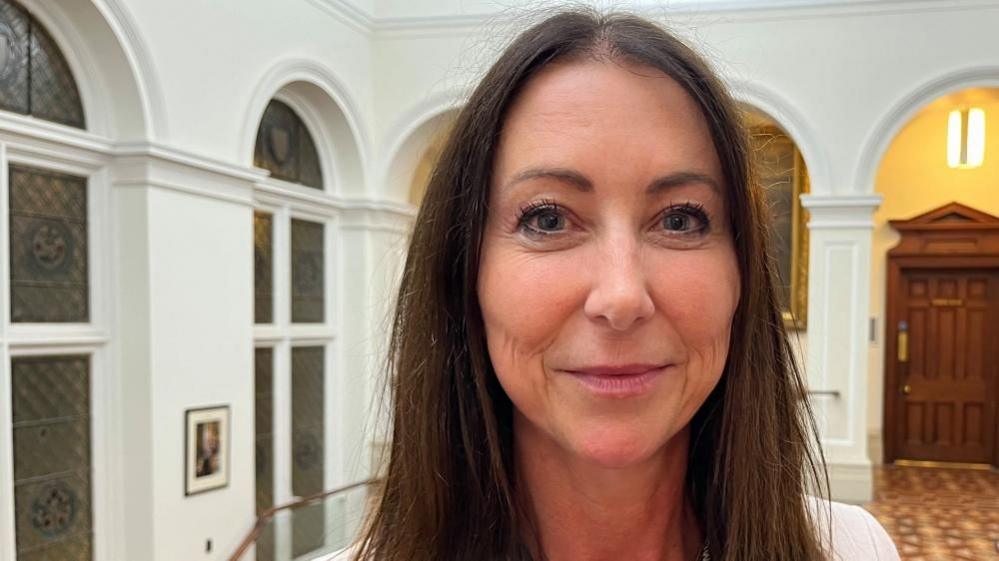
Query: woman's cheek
697,294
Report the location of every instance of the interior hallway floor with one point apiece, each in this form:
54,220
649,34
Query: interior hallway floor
939,514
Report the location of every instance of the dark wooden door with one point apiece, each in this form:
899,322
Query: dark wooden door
948,373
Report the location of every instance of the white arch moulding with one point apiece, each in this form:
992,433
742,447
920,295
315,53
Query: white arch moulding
795,124
110,63
409,137
330,114
905,108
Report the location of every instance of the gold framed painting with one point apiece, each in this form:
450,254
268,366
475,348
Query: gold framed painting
783,177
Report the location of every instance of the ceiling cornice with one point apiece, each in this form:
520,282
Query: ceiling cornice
724,10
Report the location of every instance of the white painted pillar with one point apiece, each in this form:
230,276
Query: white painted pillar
838,308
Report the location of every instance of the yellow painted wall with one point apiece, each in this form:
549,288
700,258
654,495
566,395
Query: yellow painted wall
914,178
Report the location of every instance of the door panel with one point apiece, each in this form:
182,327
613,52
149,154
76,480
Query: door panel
948,403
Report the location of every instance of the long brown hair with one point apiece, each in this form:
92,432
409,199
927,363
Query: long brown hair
449,492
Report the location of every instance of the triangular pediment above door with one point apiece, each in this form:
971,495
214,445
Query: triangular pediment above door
953,228
954,214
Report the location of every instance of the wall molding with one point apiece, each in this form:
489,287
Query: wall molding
830,212
362,20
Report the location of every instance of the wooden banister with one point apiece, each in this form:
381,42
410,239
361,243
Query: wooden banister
268,514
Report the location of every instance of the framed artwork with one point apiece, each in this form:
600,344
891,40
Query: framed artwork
206,449
784,177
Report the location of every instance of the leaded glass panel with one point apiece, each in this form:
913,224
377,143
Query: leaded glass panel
285,148
307,399
35,78
54,96
263,267
51,425
48,246
309,529
308,449
15,33
264,426
307,272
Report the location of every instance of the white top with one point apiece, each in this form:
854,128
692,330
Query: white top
856,535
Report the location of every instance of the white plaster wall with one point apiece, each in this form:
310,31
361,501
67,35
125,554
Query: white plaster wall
202,354
210,57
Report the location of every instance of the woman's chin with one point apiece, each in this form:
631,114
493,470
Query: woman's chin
616,449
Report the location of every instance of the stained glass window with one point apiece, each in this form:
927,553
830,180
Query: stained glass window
307,272
285,147
48,246
263,267
308,449
264,427
34,76
51,420
264,449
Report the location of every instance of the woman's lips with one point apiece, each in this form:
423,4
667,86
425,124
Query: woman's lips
619,381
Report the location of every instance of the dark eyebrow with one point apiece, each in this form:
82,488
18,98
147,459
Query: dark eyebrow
682,178
574,178
582,183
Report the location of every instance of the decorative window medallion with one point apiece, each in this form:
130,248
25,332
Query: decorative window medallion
51,424
285,148
48,246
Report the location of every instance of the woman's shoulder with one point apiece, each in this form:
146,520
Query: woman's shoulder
855,534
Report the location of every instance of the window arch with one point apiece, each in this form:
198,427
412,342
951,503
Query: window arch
295,327
35,78
285,148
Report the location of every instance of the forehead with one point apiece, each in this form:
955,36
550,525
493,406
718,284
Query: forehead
614,118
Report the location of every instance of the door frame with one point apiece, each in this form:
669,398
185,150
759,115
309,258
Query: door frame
953,236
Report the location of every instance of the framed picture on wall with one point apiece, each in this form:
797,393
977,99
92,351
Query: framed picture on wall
206,449
783,177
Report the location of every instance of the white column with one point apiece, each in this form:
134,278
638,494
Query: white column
838,308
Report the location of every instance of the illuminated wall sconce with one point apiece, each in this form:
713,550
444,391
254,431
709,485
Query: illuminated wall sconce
966,138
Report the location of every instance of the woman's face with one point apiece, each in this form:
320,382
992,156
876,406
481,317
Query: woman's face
608,277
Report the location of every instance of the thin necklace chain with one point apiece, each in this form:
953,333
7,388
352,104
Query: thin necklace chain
705,554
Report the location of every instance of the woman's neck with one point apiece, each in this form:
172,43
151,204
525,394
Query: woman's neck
586,512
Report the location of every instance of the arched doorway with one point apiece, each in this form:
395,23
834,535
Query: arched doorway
936,283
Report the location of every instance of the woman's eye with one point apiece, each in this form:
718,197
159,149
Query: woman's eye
677,222
686,219
542,219
550,222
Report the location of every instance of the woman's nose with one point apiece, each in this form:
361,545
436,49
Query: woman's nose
619,292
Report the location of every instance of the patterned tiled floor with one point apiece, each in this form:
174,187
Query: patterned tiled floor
937,514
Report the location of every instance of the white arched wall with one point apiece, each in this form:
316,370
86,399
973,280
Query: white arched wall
906,107
879,140
117,84
330,114
409,138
